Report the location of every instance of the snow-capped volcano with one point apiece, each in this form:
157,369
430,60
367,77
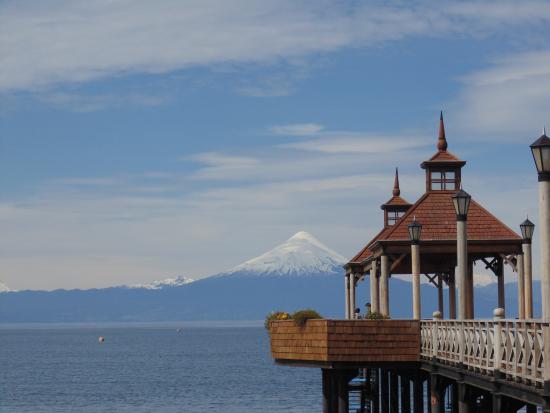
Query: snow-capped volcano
301,254
168,282
4,288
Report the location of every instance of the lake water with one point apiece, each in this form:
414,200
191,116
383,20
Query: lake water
149,368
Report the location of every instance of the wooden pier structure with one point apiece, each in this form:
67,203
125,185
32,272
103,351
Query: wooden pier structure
454,364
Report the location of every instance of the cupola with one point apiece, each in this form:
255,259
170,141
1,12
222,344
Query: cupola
443,169
396,206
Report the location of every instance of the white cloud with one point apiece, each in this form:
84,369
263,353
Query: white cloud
508,101
77,41
360,144
297,129
91,103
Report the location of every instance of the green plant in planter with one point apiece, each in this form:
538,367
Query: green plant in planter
373,315
300,317
276,316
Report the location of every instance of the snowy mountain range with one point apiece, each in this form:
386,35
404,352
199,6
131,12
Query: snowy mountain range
301,255
167,282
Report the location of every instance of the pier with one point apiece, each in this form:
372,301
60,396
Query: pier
455,363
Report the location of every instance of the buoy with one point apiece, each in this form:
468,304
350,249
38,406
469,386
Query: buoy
101,339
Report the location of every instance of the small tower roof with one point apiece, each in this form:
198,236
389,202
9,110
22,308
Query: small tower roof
442,157
396,200
441,140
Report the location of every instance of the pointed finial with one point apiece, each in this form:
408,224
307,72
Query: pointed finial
544,131
441,140
396,190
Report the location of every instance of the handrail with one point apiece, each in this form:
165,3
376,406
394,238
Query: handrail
514,349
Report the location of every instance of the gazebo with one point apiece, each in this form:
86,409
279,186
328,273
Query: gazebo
489,241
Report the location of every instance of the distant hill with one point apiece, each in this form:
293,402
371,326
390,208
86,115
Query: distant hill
301,273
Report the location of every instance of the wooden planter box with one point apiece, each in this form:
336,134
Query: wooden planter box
359,342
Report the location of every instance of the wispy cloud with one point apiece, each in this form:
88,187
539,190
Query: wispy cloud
79,102
509,100
72,42
297,129
359,144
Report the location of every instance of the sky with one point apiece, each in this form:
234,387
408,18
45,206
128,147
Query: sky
141,140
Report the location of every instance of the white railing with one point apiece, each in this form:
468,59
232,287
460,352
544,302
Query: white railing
517,349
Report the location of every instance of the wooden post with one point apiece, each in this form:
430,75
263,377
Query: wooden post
326,391
463,399
374,293
440,294
470,289
346,283
343,403
500,279
452,295
394,392
521,286
405,394
454,397
497,402
498,315
528,273
418,394
352,283
375,389
531,408
334,391
384,286
462,266
415,261
384,391
435,394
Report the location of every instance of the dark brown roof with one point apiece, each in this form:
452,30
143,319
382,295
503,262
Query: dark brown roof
396,200
435,211
366,252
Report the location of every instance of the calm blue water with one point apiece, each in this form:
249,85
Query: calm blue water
149,369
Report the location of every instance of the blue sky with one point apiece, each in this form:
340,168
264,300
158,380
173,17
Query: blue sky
139,140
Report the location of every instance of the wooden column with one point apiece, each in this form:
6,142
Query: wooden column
352,283
347,287
374,292
384,286
384,391
405,394
436,394
531,408
452,295
497,403
463,399
470,291
375,389
415,264
326,391
418,394
454,397
528,272
440,295
394,392
500,279
521,287
334,391
343,403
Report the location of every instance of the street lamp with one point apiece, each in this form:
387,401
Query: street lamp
461,202
527,230
541,154
415,230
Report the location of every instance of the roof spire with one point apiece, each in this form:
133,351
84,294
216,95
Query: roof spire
441,141
396,190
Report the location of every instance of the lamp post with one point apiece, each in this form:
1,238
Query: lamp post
461,202
541,154
415,230
527,230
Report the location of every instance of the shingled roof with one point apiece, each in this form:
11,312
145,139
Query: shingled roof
435,211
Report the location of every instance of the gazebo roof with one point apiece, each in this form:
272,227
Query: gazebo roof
436,212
